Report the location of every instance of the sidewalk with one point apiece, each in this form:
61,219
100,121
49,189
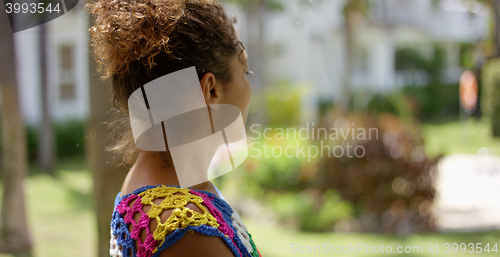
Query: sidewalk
468,192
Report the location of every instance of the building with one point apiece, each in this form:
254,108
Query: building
67,59
304,43
307,43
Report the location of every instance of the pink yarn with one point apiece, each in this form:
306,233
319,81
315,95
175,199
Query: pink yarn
147,247
224,228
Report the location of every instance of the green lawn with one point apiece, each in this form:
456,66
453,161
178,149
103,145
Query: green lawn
281,242
466,136
60,212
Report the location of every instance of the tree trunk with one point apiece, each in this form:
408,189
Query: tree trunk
14,232
349,25
496,19
255,48
46,132
108,178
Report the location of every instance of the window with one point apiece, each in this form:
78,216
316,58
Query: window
67,87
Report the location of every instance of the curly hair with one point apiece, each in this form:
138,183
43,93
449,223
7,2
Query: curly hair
137,41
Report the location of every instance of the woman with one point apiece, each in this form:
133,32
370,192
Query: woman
136,42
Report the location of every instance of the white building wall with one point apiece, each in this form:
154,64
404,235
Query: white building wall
67,29
381,62
70,29
28,74
301,32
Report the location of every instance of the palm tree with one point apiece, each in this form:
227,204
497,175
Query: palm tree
353,11
46,132
107,177
15,236
494,6
489,78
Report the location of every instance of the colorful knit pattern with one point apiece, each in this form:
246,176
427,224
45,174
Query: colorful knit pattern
129,221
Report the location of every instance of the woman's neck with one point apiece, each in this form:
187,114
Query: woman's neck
152,169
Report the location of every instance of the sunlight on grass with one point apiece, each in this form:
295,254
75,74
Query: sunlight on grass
466,136
60,213
281,242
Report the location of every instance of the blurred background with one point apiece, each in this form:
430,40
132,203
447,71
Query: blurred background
422,75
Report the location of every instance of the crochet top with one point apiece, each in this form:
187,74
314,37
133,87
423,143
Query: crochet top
218,219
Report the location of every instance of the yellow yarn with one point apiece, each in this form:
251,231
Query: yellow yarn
181,217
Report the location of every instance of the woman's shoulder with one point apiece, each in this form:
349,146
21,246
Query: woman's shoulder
153,218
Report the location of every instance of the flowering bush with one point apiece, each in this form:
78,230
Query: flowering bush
391,185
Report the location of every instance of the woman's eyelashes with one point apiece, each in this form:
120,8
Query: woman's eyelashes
249,75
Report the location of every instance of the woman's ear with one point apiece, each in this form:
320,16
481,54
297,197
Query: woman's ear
209,88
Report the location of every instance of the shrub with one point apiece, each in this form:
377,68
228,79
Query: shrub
491,93
423,102
287,183
32,139
396,103
271,171
283,102
70,136
410,59
388,189
311,209
391,185
434,100
69,139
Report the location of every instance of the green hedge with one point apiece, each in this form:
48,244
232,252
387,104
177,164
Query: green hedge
434,100
312,210
395,103
70,139
423,102
283,103
491,93
410,59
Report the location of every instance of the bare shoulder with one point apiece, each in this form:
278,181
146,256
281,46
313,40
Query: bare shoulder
197,244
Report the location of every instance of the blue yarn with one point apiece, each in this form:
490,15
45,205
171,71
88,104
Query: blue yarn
203,229
120,228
